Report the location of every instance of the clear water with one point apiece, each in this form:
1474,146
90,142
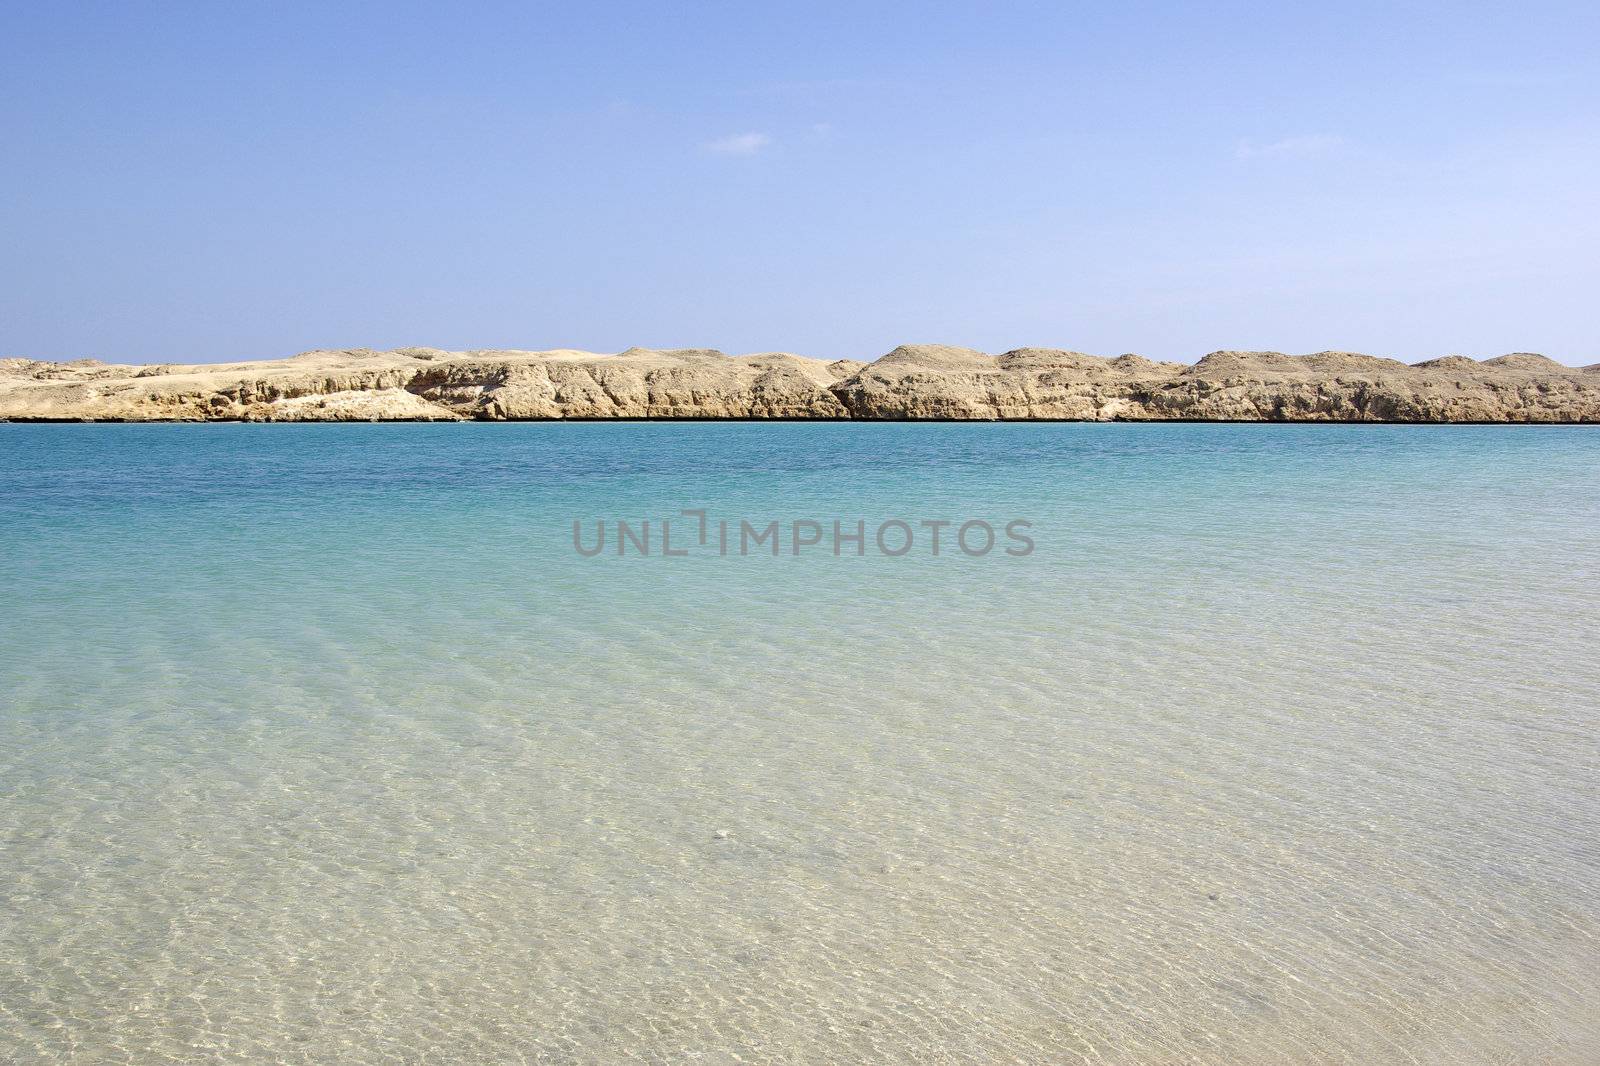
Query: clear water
320,743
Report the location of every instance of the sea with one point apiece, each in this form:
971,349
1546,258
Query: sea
724,742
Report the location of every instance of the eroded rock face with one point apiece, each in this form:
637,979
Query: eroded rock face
911,382
934,381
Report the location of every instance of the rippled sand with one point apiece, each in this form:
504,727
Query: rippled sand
320,744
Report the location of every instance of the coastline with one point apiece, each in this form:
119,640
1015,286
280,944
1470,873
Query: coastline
738,420
914,383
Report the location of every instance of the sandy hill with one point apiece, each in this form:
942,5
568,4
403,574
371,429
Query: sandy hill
919,381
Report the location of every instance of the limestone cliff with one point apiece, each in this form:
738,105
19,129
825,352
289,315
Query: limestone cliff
911,382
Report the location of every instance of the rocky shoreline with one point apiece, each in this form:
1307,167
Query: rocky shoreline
913,382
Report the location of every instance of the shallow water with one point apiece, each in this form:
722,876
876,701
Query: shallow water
321,743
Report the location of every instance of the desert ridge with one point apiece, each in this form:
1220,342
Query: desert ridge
913,382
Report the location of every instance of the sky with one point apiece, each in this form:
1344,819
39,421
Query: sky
208,182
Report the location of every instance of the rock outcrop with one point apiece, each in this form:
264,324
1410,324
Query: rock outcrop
911,382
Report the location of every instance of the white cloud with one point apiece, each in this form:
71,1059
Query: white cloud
1302,147
739,144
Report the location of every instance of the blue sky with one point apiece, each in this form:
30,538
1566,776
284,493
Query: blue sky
220,181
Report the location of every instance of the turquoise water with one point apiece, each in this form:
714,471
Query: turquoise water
321,743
